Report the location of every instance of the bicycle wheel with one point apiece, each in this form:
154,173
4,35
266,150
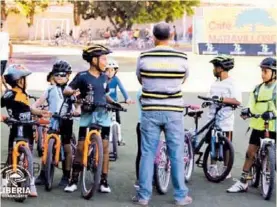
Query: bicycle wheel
73,139
25,161
50,167
188,159
40,141
228,147
91,174
268,172
255,174
162,171
114,153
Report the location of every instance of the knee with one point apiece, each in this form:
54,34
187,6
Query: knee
250,155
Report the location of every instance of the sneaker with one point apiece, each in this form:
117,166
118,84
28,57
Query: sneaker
238,187
33,189
70,188
104,186
64,181
140,202
186,201
40,180
213,171
136,185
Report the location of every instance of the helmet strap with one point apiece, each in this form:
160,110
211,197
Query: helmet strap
273,77
97,65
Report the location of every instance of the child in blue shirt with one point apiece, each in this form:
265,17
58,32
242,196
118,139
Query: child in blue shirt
111,70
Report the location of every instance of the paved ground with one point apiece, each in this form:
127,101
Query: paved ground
122,173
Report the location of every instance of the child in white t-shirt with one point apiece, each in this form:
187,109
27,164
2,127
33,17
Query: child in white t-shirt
226,91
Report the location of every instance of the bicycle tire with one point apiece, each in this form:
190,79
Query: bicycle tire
73,139
40,141
162,187
255,173
114,143
270,152
227,146
88,193
29,157
50,167
190,168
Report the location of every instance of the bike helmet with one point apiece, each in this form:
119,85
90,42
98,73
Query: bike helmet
61,66
95,51
224,61
269,63
112,64
15,72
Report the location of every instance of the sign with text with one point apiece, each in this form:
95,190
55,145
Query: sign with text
240,25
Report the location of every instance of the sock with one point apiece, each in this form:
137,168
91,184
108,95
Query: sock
244,176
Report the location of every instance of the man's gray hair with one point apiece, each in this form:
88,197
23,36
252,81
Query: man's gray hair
162,31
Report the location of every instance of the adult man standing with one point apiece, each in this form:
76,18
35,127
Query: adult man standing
5,53
162,71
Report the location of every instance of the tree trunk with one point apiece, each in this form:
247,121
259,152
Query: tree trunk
3,11
31,25
77,20
113,23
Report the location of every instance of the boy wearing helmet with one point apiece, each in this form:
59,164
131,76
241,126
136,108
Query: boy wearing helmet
114,82
16,101
226,91
261,101
93,86
56,102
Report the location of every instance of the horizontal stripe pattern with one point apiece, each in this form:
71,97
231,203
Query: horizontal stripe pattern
163,53
162,108
162,74
159,95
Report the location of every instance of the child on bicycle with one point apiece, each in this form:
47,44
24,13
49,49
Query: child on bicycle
16,101
54,97
93,85
226,91
114,82
261,101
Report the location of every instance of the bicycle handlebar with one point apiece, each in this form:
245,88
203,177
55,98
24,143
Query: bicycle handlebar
12,121
213,100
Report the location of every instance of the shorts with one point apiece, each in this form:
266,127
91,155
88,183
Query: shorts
3,66
99,116
257,134
65,128
28,133
105,133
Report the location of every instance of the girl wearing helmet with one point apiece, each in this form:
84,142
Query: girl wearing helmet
114,82
16,101
226,91
92,84
261,101
54,97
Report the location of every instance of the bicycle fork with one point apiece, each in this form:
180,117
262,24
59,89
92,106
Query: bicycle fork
215,138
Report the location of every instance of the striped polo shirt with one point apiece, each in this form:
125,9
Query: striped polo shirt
162,71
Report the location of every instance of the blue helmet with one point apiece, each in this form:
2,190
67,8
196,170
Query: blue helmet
269,63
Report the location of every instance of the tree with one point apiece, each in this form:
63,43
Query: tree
29,8
123,14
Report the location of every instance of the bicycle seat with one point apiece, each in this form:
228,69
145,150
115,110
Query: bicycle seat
195,113
95,126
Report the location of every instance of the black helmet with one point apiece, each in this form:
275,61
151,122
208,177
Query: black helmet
224,61
49,75
269,63
95,51
61,66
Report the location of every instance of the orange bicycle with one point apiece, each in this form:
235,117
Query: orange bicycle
22,158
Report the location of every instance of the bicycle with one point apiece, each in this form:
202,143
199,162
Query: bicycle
217,145
115,135
263,168
22,157
53,150
93,153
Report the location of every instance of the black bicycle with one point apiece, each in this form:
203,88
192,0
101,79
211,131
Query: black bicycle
263,168
219,148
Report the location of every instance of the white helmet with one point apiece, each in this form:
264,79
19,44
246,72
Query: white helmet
112,64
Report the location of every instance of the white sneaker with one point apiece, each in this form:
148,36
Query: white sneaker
70,188
33,189
213,171
104,187
238,187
